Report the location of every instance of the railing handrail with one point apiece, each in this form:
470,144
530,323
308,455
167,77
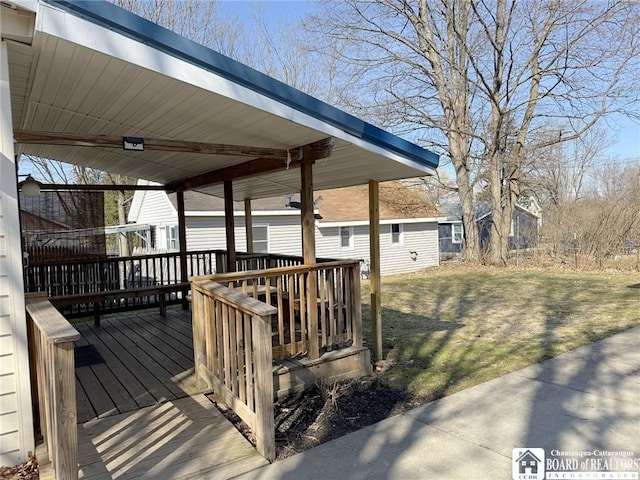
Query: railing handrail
51,345
234,298
176,253
131,258
273,272
54,327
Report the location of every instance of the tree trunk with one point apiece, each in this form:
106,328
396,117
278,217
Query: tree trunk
471,244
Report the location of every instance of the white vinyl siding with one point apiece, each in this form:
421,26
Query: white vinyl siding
16,425
284,233
9,423
156,209
15,403
285,237
394,259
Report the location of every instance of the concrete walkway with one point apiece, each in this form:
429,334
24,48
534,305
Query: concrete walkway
584,400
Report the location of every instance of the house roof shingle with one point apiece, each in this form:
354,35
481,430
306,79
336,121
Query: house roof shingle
397,201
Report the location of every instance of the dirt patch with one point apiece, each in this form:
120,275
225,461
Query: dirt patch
328,411
26,471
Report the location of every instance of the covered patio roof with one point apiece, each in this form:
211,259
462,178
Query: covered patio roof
85,74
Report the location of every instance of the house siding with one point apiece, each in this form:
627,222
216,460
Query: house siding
207,232
156,210
16,424
285,237
421,238
525,235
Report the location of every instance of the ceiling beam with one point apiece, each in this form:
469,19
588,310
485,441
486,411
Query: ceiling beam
180,146
309,153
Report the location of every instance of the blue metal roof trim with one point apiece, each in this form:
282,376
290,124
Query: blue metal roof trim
142,30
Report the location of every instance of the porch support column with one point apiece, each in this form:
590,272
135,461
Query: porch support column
229,225
309,253
248,224
182,241
374,268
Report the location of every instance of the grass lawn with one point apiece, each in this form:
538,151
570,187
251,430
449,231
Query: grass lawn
453,327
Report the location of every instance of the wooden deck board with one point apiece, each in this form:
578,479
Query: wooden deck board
146,369
180,439
182,354
99,399
142,366
179,327
84,409
116,357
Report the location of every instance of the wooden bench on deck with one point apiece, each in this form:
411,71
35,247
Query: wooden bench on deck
96,298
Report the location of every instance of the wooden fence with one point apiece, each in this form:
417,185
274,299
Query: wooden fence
51,340
232,350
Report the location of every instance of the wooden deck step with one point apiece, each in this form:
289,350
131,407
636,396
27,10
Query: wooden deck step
185,438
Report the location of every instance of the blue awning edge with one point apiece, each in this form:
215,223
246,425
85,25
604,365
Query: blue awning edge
144,31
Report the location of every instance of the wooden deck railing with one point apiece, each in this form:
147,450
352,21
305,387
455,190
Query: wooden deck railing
81,277
232,349
244,320
51,340
336,301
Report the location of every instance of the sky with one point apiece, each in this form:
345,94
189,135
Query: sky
626,131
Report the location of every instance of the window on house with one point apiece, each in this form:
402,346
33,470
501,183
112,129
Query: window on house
172,238
396,233
260,238
456,233
346,237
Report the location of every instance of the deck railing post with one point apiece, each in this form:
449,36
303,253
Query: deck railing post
64,405
312,309
199,339
356,313
221,262
265,430
52,340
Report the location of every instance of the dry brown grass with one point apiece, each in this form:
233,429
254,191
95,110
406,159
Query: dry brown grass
453,327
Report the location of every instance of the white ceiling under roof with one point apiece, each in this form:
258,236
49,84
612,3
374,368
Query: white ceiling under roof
80,77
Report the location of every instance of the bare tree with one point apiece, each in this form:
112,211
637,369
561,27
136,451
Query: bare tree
560,172
197,20
608,217
481,81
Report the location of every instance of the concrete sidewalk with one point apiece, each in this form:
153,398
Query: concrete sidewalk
583,400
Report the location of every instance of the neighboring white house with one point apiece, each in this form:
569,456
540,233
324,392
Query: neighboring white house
408,225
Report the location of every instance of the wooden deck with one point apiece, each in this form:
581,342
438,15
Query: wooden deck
181,439
148,360
135,413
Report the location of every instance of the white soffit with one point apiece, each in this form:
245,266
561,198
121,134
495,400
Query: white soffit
79,77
